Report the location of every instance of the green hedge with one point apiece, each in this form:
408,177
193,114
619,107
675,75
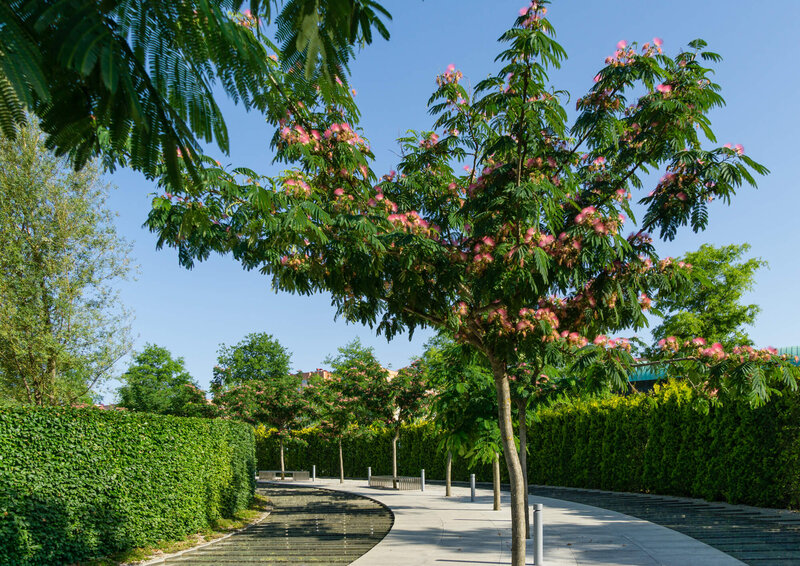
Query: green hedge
416,450
648,443
81,483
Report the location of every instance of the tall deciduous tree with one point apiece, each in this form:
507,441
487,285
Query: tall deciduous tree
406,402
133,80
356,395
155,382
710,304
273,401
525,247
61,324
258,357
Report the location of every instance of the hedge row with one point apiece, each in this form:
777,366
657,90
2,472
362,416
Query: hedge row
649,443
662,444
416,450
81,483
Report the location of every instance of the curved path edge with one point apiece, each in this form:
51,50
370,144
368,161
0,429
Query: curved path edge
431,529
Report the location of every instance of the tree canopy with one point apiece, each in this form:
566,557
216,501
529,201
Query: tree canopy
132,81
710,303
503,225
258,357
155,382
62,326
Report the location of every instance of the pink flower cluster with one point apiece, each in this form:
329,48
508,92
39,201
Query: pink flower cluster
738,148
379,200
532,14
429,141
298,135
295,186
589,216
606,342
343,133
450,76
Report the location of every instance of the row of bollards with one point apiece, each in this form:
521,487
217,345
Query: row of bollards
538,527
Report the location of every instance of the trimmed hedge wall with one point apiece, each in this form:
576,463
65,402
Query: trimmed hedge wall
81,483
649,443
416,450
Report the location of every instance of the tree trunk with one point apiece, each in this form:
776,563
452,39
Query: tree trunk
522,415
448,474
512,462
283,467
496,475
341,462
394,458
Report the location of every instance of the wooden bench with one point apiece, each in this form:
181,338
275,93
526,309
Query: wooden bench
294,475
403,482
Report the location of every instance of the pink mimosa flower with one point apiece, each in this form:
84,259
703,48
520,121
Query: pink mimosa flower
451,67
658,42
622,44
662,88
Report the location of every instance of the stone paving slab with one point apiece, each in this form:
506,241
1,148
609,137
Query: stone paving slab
430,529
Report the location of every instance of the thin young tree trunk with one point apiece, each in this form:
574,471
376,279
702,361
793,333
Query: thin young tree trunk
522,415
341,462
448,474
496,476
512,462
283,467
394,458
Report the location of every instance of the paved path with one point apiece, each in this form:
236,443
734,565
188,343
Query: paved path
756,536
430,529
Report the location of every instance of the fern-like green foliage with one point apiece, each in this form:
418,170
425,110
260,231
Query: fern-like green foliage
132,81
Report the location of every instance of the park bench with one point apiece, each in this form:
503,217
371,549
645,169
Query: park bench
403,482
293,475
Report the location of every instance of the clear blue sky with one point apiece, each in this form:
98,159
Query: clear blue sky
193,312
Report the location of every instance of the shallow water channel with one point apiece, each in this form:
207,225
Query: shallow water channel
306,526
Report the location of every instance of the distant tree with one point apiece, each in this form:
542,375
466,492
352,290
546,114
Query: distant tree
62,327
155,382
275,401
407,401
258,356
356,395
710,303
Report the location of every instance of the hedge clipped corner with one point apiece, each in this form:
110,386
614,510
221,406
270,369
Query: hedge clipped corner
659,443
80,483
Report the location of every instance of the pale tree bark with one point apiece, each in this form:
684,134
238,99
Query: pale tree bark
515,477
394,458
341,462
496,477
448,474
283,467
522,415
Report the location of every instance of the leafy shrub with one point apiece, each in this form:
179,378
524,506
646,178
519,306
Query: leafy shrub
80,483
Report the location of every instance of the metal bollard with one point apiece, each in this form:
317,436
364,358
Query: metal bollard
314,472
369,474
472,487
422,479
538,543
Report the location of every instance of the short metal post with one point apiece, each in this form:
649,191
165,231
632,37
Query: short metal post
472,487
422,479
369,474
314,472
538,543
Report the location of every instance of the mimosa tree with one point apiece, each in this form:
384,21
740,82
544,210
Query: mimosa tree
504,228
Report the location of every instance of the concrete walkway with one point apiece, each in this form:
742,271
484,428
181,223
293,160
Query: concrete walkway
432,529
